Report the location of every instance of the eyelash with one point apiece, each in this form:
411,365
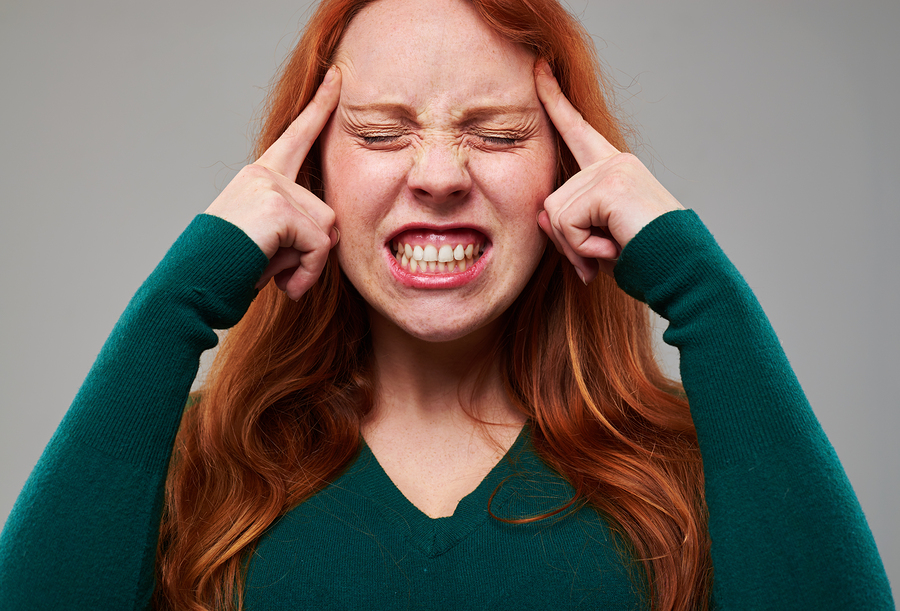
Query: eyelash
491,140
379,139
499,140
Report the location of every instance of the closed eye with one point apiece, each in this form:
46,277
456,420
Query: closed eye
383,139
499,141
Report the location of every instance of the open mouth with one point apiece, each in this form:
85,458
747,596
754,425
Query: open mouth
429,252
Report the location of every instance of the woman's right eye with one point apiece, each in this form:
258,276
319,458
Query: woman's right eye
380,139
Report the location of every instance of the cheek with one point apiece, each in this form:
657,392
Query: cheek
360,185
518,184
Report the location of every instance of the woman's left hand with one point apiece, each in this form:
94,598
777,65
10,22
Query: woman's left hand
597,211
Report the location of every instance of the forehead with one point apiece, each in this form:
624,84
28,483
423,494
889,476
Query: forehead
431,54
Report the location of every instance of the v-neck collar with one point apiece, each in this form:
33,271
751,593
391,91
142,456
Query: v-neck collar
435,536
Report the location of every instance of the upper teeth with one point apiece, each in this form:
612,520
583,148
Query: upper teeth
430,258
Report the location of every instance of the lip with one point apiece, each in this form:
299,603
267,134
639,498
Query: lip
438,229
436,281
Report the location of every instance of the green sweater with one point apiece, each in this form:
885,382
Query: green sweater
786,528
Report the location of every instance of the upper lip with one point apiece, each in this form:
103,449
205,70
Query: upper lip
438,227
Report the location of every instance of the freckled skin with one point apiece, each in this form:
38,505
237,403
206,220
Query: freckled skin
439,123
441,130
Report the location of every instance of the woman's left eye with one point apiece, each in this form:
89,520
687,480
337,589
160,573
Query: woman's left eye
499,140
383,139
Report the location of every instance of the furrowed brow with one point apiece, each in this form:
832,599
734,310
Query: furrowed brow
483,113
385,109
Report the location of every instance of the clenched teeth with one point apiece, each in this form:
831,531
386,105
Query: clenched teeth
429,259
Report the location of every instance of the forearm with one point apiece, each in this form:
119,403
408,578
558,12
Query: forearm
786,528
84,530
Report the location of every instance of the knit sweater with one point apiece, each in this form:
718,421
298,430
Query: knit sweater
787,531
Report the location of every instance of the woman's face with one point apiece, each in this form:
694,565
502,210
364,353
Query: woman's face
439,149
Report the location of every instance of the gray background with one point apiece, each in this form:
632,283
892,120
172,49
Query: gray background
774,120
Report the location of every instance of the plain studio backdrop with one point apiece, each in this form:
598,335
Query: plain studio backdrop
776,121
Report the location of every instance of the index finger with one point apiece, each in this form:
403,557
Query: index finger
286,154
588,146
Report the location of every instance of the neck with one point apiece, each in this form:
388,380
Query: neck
433,401
437,384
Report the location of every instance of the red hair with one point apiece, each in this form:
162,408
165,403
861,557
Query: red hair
280,414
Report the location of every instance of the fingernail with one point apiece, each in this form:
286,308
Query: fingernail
581,275
543,67
329,76
337,234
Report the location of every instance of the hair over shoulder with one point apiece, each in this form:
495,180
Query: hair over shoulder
279,416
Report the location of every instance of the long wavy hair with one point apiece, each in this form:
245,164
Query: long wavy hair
280,415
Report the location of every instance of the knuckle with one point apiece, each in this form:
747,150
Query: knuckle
618,179
316,105
572,234
321,242
580,127
261,176
273,203
254,170
552,203
297,127
628,160
564,215
328,216
555,218
293,131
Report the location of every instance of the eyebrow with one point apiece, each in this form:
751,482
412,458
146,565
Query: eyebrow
469,116
487,112
387,108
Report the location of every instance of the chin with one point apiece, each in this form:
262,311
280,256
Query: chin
441,329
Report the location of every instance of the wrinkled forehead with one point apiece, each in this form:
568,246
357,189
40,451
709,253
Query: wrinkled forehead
431,52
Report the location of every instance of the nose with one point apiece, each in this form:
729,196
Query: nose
440,173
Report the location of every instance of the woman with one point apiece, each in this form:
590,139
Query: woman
441,410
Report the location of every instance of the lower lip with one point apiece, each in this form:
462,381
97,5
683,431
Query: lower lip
436,281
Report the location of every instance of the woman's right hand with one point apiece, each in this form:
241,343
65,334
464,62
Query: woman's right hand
293,227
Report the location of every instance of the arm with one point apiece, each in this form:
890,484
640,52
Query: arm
787,530
83,532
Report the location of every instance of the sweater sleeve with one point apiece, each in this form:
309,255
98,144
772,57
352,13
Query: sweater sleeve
787,530
84,529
